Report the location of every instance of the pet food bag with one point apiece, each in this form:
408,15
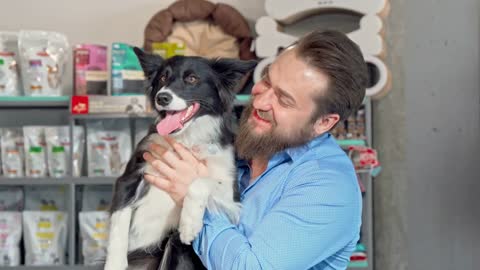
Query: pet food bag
45,237
94,228
43,58
9,74
127,73
59,150
10,235
35,151
96,198
90,69
45,198
109,147
12,152
11,199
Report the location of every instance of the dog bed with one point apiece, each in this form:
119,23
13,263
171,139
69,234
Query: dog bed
207,29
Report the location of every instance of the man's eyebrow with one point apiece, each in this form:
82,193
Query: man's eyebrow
279,90
265,70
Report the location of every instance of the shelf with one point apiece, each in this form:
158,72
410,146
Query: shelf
62,267
242,100
351,142
30,181
94,180
111,115
61,102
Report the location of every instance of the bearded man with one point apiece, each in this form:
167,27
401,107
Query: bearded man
301,204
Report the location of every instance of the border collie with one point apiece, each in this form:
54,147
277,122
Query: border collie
194,99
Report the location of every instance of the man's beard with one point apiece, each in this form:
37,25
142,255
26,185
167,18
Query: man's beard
250,145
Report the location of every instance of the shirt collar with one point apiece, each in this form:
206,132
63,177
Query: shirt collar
292,153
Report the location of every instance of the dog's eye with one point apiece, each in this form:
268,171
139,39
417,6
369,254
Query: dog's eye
163,78
191,79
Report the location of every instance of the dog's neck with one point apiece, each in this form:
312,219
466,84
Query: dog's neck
203,130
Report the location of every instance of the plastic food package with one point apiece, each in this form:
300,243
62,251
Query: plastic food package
35,151
109,147
96,198
11,199
12,149
9,68
45,198
45,236
94,228
91,73
59,150
127,73
43,58
10,235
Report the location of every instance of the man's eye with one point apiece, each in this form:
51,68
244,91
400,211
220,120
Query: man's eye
191,79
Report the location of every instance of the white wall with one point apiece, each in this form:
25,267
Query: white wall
97,21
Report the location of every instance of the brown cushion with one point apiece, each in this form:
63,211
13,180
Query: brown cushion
226,17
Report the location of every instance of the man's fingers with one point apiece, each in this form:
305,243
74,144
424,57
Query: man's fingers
159,182
164,169
148,157
157,150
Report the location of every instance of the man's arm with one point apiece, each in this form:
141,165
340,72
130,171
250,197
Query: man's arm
317,215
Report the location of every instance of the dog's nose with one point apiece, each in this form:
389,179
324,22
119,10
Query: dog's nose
163,99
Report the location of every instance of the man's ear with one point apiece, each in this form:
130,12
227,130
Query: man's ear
150,63
325,123
230,73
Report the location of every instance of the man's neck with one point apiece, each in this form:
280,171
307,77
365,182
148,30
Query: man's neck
258,166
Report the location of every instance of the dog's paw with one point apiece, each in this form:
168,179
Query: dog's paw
188,231
116,264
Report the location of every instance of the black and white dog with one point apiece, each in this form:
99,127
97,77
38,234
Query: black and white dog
194,99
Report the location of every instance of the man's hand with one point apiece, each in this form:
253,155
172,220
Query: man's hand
179,167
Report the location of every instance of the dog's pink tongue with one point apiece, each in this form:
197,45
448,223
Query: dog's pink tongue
170,123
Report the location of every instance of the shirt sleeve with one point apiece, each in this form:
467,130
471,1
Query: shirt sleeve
318,214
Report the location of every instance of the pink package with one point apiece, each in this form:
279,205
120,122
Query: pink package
90,69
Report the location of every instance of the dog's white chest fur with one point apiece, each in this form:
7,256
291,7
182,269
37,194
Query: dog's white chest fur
155,214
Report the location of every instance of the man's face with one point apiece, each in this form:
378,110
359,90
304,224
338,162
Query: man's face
280,115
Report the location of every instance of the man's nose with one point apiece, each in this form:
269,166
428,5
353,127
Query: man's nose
263,100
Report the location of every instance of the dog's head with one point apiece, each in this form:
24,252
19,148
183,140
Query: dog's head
183,88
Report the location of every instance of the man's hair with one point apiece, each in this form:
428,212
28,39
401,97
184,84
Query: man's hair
338,57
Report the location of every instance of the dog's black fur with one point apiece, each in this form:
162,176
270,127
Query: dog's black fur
214,91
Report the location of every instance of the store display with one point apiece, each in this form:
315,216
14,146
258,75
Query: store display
12,152
127,74
90,69
9,68
45,237
94,229
351,129
109,147
35,151
11,199
10,235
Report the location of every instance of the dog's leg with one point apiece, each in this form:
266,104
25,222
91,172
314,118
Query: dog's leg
194,204
118,240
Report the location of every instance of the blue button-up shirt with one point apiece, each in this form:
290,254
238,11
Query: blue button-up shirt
303,212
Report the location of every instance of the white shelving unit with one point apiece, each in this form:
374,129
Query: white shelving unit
60,105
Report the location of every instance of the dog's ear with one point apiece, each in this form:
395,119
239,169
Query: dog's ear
150,63
230,74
